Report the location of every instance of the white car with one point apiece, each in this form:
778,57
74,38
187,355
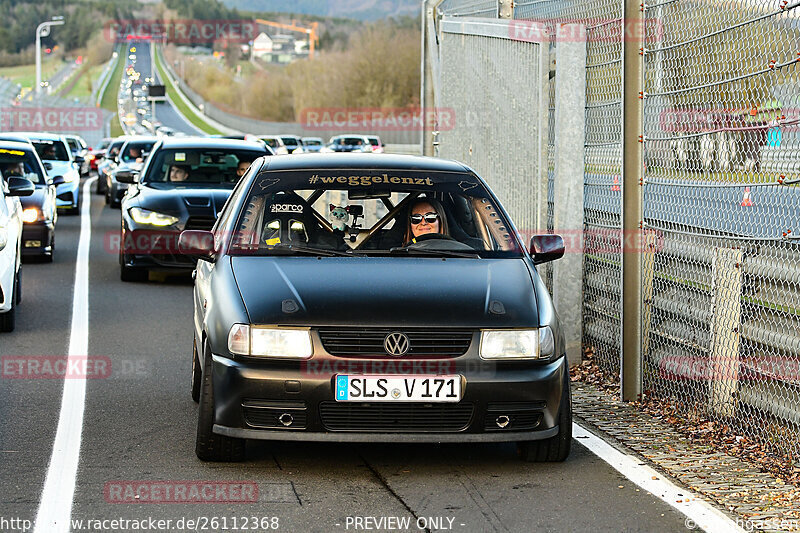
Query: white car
11,246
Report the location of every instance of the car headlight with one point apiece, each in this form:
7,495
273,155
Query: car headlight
3,238
151,218
517,343
289,343
31,215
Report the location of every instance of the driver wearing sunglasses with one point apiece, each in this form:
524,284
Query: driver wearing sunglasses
426,216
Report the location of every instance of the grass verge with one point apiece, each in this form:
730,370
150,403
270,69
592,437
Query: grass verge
187,112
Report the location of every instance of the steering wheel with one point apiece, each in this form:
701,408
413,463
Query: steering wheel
438,241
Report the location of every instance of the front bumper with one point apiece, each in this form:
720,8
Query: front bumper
155,250
37,238
250,398
67,194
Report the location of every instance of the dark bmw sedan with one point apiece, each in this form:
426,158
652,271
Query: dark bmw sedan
371,298
183,185
39,209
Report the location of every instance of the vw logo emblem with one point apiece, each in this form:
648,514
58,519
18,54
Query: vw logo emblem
396,344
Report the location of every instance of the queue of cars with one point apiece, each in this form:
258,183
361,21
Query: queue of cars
343,297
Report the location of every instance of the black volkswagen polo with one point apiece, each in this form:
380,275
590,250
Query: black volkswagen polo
323,312
183,185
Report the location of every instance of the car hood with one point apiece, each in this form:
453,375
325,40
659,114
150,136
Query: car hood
60,168
205,201
387,291
37,199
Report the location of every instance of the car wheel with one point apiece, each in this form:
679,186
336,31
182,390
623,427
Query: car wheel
556,448
18,286
209,446
196,374
48,258
8,319
108,196
132,274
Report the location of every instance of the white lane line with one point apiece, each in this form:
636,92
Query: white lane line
55,506
698,512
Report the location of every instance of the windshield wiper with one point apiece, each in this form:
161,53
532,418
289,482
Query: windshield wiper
433,252
292,249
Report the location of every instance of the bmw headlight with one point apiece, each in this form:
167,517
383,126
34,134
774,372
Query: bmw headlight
289,343
517,343
70,176
151,218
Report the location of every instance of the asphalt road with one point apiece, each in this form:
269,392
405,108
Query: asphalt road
165,113
139,424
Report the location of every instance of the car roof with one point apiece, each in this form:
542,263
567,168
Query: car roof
15,145
209,142
41,135
364,161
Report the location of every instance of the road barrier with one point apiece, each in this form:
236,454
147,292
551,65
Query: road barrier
716,179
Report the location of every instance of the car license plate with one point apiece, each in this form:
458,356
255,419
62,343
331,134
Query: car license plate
394,388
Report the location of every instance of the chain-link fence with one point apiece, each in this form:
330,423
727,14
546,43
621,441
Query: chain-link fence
720,261
721,149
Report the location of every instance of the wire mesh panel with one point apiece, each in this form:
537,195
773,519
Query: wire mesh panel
722,319
492,84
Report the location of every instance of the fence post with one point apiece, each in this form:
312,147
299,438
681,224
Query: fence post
632,220
570,135
723,386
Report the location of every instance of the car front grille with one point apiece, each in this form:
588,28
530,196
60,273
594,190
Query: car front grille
200,222
393,418
354,342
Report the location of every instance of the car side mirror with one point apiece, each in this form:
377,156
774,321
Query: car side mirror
546,248
126,176
79,159
47,165
19,186
197,243
58,180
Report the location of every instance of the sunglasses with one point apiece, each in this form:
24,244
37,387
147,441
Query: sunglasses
430,218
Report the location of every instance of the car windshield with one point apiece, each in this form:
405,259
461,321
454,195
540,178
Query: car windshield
21,163
199,165
312,142
374,141
289,141
373,213
136,151
51,150
271,142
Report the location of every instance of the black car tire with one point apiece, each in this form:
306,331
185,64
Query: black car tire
8,319
556,448
48,258
196,374
209,446
18,295
132,274
108,196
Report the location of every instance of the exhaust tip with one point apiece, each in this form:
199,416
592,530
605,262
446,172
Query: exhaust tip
286,419
502,421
